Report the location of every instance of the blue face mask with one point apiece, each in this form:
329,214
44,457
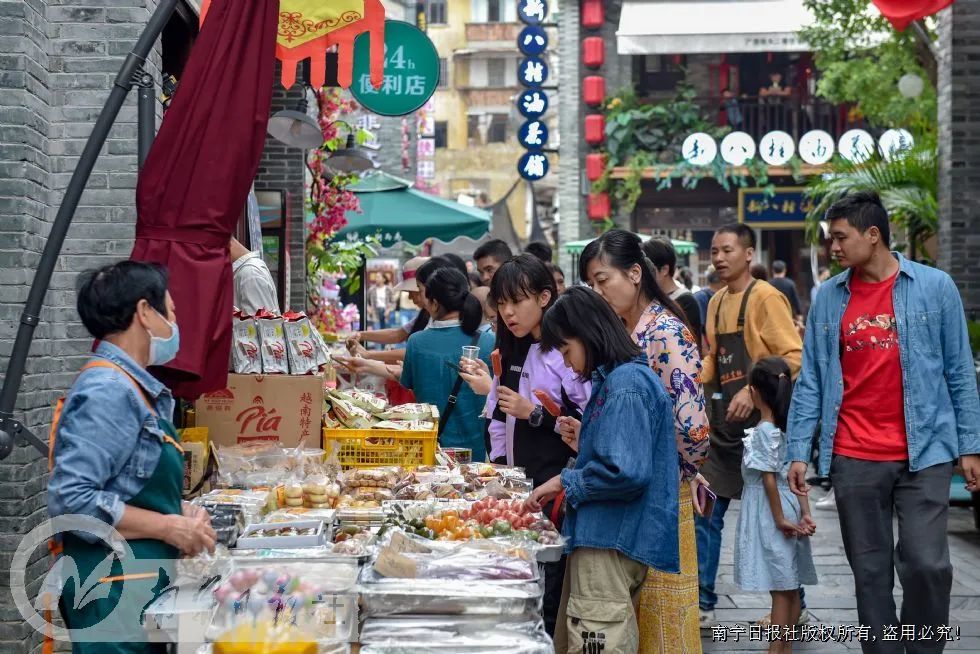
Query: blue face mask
164,350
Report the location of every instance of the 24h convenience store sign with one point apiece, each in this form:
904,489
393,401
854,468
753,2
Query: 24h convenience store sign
411,71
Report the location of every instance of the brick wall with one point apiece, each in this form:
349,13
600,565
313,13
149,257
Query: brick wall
282,169
58,63
959,152
571,148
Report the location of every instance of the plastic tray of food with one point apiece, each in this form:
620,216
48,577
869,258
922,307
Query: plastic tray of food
285,535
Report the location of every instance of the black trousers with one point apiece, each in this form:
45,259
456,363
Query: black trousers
869,494
554,577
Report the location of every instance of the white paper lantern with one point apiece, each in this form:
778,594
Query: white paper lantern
699,149
910,85
816,147
894,142
856,145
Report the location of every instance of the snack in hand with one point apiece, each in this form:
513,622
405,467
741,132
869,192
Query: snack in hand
549,404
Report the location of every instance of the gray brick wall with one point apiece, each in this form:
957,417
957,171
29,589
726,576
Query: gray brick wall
959,151
571,149
58,61
281,169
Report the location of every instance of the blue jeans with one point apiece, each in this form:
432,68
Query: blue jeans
708,535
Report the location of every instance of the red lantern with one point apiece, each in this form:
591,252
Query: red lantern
593,14
595,129
594,90
595,164
593,52
599,206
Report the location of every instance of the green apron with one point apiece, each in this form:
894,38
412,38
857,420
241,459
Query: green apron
161,494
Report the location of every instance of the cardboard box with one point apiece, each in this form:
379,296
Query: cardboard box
283,408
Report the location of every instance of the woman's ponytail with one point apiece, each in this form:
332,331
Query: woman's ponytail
771,378
471,314
451,290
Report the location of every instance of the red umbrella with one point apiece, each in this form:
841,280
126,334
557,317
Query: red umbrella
901,13
197,176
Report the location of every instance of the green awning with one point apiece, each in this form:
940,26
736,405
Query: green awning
681,247
393,211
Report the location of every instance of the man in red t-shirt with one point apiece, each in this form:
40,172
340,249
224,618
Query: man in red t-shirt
887,370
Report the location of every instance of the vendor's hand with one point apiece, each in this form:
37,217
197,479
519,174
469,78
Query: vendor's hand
543,494
797,478
355,348
741,406
189,535
196,513
514,404
695,482
476,373
808,525
568,429
790,529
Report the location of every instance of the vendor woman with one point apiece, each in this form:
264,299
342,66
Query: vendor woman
117,457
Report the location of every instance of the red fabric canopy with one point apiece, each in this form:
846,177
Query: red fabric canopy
196,180
901,13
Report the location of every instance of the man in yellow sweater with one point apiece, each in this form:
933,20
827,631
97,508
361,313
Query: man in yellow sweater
746,321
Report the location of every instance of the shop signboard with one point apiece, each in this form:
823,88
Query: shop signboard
781,208
411,71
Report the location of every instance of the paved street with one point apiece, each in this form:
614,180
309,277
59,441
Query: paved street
832,601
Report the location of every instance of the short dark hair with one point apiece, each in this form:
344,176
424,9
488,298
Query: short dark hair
745,234
759,271
496,249
554,268
862,210
475,280
455,261
581,313
713,277
661,252
539,249
107,296
778,267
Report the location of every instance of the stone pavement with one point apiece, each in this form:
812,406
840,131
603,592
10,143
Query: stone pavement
832,601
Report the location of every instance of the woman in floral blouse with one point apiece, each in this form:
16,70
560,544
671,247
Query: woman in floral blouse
615,266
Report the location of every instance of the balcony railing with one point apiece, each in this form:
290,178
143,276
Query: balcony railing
757,116
492,32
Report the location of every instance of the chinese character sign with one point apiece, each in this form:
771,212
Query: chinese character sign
816,147
533,166
699,149
532,12
737,148
533,134
411,71
532,104
777,148
533,40
894,142
784,208
533,72
856,145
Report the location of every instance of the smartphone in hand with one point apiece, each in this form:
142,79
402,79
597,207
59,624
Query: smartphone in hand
707,499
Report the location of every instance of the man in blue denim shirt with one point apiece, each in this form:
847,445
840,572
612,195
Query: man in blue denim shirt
888,373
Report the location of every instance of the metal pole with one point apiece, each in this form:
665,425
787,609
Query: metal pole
10,429
146,117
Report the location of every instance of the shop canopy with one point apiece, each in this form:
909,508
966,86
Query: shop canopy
682,248
393,211
683,27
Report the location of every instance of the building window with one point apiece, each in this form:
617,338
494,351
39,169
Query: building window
442,134
496,73
443,72
498,129
438,14
494,11
660,72
473,130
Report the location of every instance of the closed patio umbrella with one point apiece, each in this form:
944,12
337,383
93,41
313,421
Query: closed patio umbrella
193,188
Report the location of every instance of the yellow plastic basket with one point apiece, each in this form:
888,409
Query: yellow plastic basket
371,448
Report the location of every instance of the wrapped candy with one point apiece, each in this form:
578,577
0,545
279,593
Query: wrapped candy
246,358
275,358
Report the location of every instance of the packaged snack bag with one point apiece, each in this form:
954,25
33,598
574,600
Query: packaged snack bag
246,357
301,344
275,359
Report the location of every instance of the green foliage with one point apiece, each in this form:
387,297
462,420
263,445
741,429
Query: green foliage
908,186
974,329
343,257
861,58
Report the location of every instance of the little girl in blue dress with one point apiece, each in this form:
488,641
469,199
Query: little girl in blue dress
772,547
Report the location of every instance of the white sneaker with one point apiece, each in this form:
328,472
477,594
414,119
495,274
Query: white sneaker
707,619
827,502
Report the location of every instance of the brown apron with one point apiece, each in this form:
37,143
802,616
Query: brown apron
723,468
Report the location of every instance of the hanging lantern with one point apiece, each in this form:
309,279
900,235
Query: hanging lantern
595,164
599,206
593,52
595,129
594,90
593,14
